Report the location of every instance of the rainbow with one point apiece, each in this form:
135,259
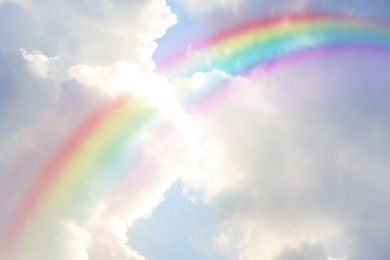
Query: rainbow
101,144
258,47
104,142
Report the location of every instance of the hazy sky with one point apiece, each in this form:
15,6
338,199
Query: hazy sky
293,166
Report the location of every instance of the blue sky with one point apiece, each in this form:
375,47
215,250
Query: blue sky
178,229
293,167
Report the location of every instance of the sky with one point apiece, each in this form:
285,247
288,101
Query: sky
127,133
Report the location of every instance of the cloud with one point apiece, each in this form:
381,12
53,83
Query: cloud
42,66
305,252
201,7
59,61
106,31
303,162
67,241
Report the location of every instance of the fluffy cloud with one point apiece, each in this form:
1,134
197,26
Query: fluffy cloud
58,62
67,241
107,31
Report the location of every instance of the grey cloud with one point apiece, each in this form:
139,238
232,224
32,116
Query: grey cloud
304,252
371,233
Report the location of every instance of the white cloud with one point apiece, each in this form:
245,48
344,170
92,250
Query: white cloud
77,243
42,66
58,62
109,238
67,241
124,77
96,34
